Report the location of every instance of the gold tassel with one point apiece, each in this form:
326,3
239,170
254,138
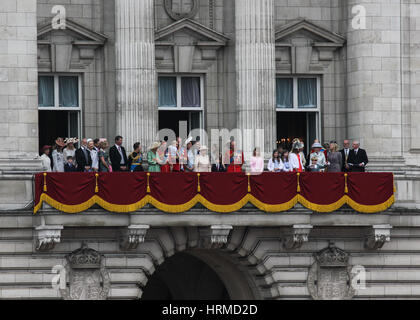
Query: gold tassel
199,187
97,187
298,178
249,183
346,188
148,183
45,182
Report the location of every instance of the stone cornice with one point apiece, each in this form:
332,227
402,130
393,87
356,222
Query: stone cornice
216,37
303,24
81,31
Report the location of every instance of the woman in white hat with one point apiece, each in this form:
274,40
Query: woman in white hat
70,150
318,154
153,158
202,161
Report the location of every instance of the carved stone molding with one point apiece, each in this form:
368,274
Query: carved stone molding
197,51
46,237
178,15
132,236
215,237
303,47
298,237
330,277
78,52
379,236
88,278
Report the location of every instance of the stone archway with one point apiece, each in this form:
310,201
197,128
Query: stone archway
198,275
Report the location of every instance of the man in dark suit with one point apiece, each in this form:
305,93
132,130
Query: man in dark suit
358,158
83,158
118,156
345,153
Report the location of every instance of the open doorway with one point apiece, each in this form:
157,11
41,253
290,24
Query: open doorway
54,124
171,120
301,125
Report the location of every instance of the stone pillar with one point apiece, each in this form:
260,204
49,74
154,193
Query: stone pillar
255,67
18,86
374,79
137,111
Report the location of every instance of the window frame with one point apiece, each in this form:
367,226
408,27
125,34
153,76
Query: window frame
296,108
296,92
179,106
56,106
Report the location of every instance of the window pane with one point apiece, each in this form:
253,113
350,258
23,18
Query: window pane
191,97
69,92
167,92
46,91
284,93
307,92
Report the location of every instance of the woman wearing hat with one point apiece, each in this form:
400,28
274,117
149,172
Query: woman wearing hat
153,158
202,161
58,156
318,154
45,157
295,158
70,150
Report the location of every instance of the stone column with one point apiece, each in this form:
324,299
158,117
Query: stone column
374,79
255,67
137,111
18,86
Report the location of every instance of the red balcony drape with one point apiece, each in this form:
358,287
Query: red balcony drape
218,192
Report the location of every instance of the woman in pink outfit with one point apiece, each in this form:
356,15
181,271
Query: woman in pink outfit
257,162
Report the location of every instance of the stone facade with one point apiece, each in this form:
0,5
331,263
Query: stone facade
369,91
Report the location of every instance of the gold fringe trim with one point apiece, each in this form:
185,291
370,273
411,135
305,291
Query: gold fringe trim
198,187
273,208
213,207
371,209
249,183
320,207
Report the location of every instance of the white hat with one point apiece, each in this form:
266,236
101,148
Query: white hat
316,145
190,139
155,145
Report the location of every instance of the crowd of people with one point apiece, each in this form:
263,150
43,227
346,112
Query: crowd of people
190,156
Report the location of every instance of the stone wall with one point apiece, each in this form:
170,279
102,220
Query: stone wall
255,253
18,80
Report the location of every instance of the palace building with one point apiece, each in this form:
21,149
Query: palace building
327,70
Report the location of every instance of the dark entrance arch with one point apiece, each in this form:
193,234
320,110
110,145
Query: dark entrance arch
185,277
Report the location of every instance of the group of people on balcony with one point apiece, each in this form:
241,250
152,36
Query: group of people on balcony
96,156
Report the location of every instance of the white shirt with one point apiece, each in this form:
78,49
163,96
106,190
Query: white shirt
275,166
58,161
346,152
122,157
46,163
95,158
294,161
